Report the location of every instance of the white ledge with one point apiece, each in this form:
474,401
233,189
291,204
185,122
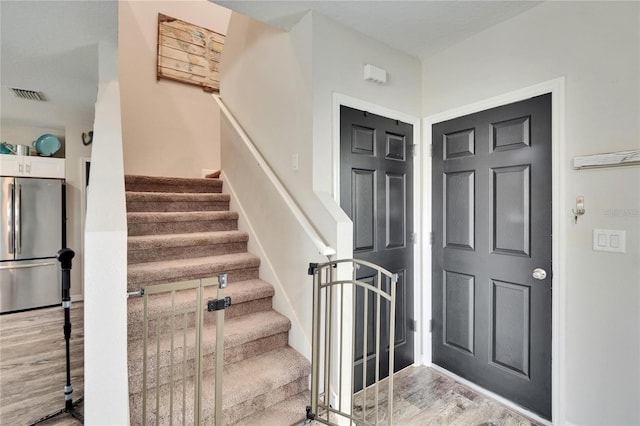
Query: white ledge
613,159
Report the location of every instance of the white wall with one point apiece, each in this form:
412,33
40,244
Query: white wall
169,128
596,47
281,86
283,247
339,56
266,83
105,302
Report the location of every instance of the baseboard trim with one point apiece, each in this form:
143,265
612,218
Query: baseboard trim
500,399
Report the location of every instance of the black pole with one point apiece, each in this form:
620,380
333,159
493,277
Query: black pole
64,256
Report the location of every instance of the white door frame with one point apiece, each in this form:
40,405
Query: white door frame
349,101
556,88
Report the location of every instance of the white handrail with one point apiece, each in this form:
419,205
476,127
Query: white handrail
323,248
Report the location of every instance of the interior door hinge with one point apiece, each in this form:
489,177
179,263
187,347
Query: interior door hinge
414,237
430,326
431,238
430,150
413,325
412,150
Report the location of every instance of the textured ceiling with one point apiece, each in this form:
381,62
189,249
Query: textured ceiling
419,28
52,47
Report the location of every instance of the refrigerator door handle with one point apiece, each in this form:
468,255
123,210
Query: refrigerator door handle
18,218
31,265
10,233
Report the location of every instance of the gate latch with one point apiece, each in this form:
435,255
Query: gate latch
218,304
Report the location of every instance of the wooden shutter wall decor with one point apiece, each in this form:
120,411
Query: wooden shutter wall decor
188,53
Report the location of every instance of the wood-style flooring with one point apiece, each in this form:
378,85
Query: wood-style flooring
32,379
424,397
32,365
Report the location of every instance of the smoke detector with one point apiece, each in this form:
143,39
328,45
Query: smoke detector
31,95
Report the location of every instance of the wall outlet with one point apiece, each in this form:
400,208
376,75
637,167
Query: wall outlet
295,162
610,240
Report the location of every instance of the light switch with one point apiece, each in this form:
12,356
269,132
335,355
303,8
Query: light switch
614,241
611,240
295,162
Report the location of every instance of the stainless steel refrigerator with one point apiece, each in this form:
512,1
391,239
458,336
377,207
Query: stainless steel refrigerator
32,230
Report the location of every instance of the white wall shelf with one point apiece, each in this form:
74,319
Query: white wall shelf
613,159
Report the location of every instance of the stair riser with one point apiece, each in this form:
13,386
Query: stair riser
175,206
134,283
291,411
231,355
256,405
155,228
136,326
187,252
213,187
230,414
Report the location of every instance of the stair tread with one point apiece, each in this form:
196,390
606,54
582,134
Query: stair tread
163,180
288,412
177,196
253,376
178,269
247,381
237,331
145,242
136,183
239,292
197,216
260,369
233,260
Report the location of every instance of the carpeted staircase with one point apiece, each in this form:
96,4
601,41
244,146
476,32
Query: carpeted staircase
182,229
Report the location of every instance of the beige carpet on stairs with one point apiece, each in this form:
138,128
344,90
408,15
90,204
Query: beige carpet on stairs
181,229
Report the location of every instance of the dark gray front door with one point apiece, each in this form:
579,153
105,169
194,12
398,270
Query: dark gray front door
376,187
492,229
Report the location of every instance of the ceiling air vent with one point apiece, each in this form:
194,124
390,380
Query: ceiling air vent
28,94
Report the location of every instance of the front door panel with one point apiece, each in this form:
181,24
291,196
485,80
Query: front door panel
492,228
376,187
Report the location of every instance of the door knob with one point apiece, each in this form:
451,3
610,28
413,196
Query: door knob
539,274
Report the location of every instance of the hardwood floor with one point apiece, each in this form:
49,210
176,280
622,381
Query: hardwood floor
32,379
424,397
32,364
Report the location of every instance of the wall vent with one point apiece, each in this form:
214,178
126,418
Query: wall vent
28,94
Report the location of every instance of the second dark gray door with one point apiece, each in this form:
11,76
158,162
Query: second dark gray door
376,187
492,231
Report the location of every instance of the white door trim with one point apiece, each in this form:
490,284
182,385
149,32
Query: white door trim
556,88
349,101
